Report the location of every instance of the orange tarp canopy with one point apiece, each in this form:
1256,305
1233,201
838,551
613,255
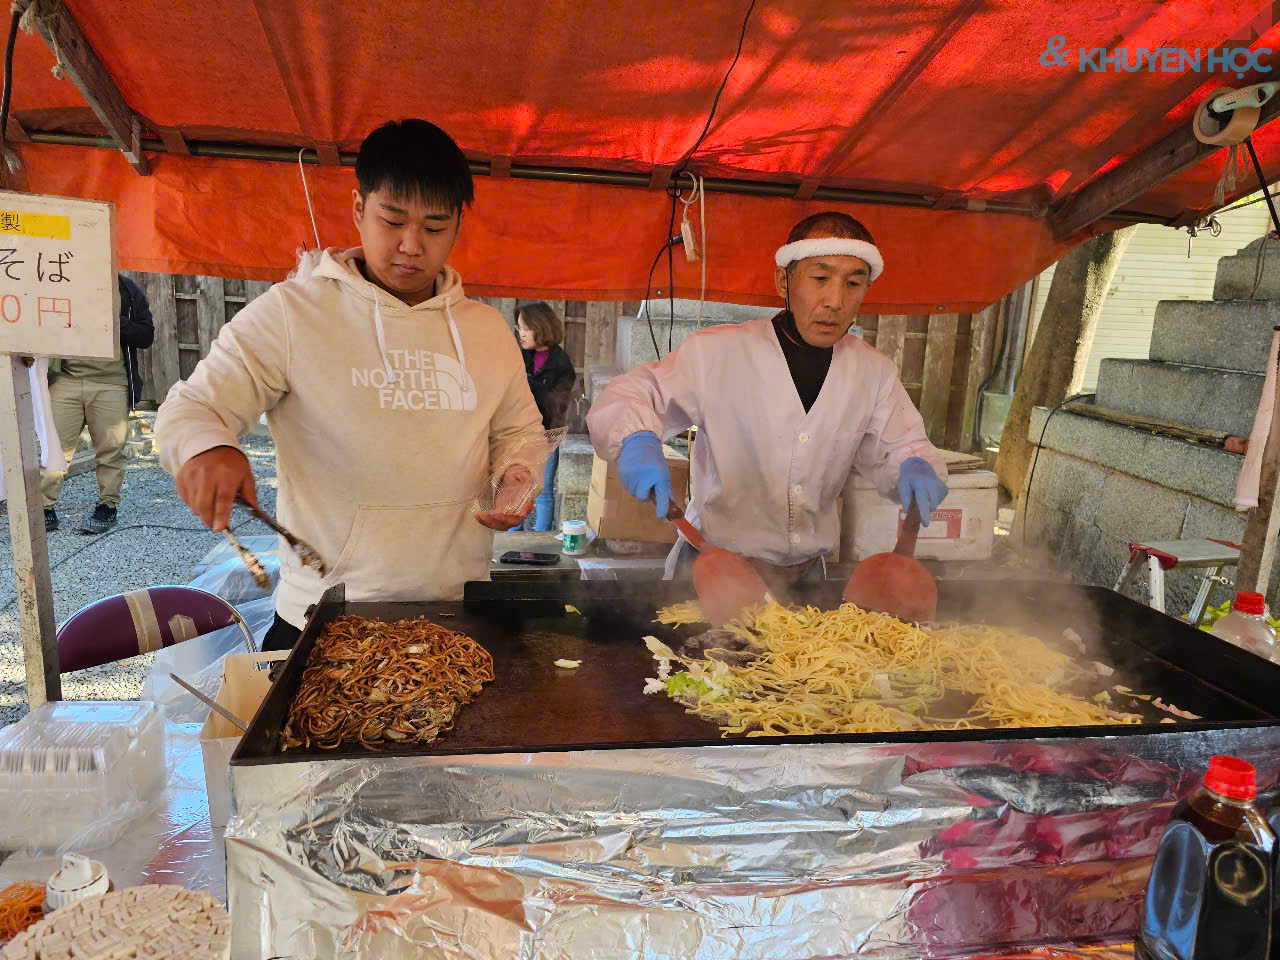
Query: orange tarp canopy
954,101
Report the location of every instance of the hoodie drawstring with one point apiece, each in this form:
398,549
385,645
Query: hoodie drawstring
392,377
457,345
382,340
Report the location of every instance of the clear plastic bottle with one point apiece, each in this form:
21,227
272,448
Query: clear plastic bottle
1246,626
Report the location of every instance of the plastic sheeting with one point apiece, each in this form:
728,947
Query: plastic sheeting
946,98
170,841
897,850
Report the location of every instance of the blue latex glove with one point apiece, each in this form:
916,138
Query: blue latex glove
643,470
917,482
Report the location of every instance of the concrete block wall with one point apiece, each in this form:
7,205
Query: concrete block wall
1097,487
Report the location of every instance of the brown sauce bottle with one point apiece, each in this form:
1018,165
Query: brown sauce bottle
1210,894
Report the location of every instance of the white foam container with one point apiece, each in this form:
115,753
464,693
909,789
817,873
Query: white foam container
962,528
78,770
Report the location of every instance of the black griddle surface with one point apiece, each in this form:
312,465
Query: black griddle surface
532,705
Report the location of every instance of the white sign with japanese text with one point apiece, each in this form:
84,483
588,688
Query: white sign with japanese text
58,290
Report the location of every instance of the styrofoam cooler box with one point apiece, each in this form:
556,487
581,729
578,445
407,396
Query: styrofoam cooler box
962,528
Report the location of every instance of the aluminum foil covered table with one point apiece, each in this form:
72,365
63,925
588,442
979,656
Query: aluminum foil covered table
566,814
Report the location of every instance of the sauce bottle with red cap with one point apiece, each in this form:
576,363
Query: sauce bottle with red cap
1210,894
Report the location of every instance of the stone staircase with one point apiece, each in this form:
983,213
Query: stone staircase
1100,484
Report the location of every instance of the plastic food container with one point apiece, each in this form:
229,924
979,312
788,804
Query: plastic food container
573,539
78,770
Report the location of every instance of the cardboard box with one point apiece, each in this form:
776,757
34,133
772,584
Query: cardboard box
616,515
962,528
245,682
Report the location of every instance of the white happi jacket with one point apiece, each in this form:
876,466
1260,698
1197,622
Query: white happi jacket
766,475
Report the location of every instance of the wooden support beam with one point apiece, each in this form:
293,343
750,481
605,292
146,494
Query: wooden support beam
81,65
659,177
327,154
808,187
34,584
1167,428
1171,155
174,141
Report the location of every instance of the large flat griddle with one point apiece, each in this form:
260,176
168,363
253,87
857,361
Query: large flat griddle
532,705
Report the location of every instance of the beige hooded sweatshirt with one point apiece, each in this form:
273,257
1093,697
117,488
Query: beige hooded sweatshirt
387,421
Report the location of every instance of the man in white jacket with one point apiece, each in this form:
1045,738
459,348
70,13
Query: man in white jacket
390,396
785,408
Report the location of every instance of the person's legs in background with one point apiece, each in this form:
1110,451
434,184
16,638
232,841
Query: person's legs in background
66,395
545,505
107,413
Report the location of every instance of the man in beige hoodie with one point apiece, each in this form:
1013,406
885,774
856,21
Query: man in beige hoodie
391,398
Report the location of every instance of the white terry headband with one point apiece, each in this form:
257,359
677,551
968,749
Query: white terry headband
830,247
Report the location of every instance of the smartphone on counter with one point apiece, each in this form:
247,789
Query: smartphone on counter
526,556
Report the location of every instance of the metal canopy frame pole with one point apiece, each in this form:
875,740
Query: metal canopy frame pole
20,450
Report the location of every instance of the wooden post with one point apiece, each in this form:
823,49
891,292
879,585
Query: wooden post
211,310
602,336
164,349
891,339
935,385
981,330
1258,553
18,446
60,30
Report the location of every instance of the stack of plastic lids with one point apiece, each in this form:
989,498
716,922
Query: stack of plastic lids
146,921
75,773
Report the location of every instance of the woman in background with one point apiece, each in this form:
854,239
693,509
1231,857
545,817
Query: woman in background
551,378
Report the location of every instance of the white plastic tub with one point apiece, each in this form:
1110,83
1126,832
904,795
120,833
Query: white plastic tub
962,528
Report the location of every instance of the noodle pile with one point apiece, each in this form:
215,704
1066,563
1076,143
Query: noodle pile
811,671
375,683
680,614
21,905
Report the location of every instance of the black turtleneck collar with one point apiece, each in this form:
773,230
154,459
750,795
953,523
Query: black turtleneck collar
808,364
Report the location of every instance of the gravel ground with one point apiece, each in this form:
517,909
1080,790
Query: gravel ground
157,540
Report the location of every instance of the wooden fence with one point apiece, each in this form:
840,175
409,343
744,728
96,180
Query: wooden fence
188,312
941,358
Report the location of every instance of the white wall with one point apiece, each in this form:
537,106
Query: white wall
1154,268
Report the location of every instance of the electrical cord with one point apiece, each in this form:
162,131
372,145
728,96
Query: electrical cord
1031,474
119,529
7,95
671,274
706,128
648,312
673,191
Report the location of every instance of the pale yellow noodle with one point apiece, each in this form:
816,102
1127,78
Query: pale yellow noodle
816,673
680,614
